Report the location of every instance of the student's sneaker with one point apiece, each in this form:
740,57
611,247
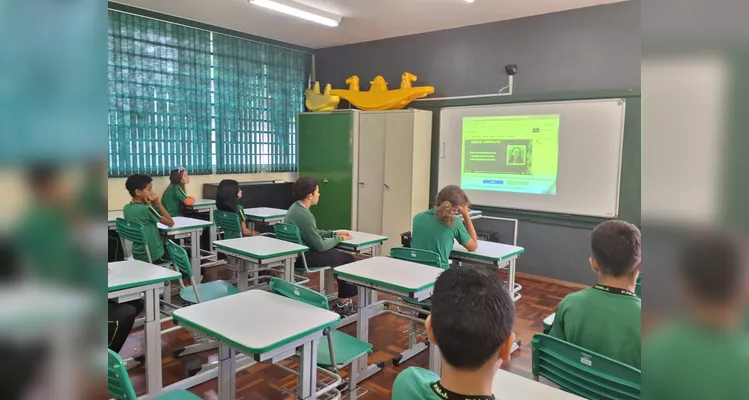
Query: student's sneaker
346,309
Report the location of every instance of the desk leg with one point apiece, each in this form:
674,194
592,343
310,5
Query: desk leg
242,274
435,359
227,373
153,344
360,368
250,224
195,255
288,269
212,229
307,381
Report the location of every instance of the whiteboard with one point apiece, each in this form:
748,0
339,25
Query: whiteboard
588,156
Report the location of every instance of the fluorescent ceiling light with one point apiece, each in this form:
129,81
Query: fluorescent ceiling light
300,11
469,1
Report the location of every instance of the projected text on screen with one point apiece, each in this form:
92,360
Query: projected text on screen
516,154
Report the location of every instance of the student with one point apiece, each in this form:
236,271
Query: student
606,318
321,243
227,199
175,198
471,323
436,229
143,210
704,354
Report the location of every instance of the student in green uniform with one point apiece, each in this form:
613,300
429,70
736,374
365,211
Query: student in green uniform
175,198
228,194
704,354
436,229
147,210
321,243
471,322
606,318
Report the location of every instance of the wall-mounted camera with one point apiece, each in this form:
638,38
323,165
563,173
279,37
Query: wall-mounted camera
511,69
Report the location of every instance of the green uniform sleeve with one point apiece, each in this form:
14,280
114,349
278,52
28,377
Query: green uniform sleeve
326,234
461,233
312,236
557,327
153,214
180,194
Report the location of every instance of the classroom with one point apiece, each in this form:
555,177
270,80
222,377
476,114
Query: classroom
391,199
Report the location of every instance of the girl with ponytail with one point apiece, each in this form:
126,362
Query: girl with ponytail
436,229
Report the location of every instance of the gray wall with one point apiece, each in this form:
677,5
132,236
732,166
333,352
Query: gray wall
592,48
585,50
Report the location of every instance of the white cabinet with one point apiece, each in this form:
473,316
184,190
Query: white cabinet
393,171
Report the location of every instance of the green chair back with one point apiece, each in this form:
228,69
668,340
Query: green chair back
229,222
288,233
298,292
133,232
425,257
118,381
179,258
583,372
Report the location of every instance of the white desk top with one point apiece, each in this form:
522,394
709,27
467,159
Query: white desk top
131,273
389,272
183,223
260,247
256,321
489,251
204,203
359,239
113,215
263,213
507,385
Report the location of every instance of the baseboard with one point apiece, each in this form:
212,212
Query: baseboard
544,279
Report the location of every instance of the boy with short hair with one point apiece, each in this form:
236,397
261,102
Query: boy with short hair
606,318
705,354
147,210
471,322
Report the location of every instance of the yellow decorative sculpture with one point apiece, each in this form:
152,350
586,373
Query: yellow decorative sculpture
316,101
379,97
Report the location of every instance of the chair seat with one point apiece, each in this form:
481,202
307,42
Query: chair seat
178,395
209,291
312,269
423,303
347,349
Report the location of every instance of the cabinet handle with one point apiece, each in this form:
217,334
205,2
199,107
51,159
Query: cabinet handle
386,185
361,183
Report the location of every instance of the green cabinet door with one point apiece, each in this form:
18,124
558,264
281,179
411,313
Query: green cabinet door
326,154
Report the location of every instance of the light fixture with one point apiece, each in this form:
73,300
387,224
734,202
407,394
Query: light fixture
300,11
469,1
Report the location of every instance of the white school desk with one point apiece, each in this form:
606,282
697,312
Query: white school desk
497,254
362,243
265,215
263,325
257,251
507,385
388,275
131,280
112,218
207,206
192,228
55,316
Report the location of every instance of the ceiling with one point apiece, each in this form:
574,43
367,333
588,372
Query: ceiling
363,20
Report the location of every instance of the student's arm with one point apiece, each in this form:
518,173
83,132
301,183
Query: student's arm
466,233
164,216
311,235
557,327
184,198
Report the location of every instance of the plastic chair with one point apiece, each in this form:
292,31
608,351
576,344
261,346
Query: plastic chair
197,293
290,233
121,388
342,349
582,371
132,232
229,223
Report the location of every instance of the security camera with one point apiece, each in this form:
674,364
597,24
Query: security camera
511,69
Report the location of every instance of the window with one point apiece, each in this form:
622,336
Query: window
186,97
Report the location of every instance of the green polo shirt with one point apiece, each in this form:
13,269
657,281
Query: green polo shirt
690,361
429,233
416,383
317,240
605,323
173,199
148,216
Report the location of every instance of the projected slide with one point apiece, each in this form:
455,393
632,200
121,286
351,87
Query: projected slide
516,154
